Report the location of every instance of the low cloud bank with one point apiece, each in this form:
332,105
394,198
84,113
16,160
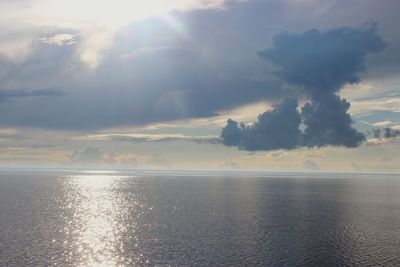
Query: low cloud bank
386,133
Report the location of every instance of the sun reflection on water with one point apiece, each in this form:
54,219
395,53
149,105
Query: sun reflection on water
97,226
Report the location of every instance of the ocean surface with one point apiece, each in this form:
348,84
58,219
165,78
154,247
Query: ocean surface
196,220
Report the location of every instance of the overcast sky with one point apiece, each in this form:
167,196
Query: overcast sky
151,84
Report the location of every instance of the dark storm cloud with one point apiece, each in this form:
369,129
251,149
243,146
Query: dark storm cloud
323,62
275,129
320,63
328,123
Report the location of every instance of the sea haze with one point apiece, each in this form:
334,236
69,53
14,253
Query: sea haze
255,220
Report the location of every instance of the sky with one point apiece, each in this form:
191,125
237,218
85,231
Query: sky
251,85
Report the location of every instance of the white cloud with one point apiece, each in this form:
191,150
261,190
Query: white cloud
60,39
147,137
310,165
230,164
385,123
367,106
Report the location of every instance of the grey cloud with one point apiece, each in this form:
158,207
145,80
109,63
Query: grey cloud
169,83
377,133
390,133
154,72
385,133
320,63
232,134
45,66
328,123
11,94
275,129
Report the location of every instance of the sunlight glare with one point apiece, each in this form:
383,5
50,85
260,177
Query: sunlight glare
98,219
111,14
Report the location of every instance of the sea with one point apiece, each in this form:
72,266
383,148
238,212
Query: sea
59,218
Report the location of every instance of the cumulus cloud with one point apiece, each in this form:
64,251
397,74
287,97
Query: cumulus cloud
320,64
390,133
323,62
232,134
275,129
328,123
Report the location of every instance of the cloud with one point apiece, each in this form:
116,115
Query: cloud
328,123
391,133
320,64
383,123
156,160
162,85
323,62
232,134
95,156
96,21
11,94
91,155
140,137
275,129
385,133
153,71
310,165
230,164
60,39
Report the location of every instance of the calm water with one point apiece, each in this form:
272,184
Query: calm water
92,220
